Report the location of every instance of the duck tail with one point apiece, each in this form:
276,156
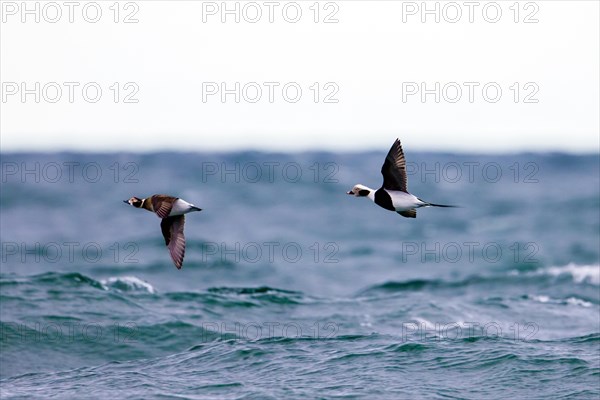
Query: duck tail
428,204
442,205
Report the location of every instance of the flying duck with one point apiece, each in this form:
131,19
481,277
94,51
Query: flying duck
171,210
394,195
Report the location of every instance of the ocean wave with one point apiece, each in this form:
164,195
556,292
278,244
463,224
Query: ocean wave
403,286
241,297
262,293
212,299
589,274
329,364
423,284
119,283
580,273
52,278
592,337
250,291
568,301
127,284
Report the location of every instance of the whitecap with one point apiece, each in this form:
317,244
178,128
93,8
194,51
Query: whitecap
580,273
541,299
578,302
128,283
570,301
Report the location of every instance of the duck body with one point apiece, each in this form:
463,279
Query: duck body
171,210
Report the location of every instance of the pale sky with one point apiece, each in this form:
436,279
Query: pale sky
374,61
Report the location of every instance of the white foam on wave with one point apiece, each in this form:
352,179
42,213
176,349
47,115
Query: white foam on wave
571,300
424,323
127,283
541,299
580,273
578,302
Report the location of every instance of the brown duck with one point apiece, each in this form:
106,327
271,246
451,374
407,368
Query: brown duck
171,210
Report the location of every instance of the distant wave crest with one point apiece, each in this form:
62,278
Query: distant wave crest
580,273
127,284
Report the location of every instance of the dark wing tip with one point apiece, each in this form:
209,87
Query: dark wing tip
177,251
394,169
177,256
172,229
397,144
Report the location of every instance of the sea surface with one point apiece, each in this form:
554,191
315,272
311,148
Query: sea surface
291,289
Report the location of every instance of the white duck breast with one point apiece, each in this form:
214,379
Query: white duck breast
404,201
181,207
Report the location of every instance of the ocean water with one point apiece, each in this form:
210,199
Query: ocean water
291,288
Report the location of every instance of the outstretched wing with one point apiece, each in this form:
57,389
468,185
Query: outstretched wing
172,230
394,169
162,204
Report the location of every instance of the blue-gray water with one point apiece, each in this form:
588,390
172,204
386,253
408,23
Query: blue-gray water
293,289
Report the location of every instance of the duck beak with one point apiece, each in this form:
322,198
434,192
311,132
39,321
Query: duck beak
126,201
349,192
